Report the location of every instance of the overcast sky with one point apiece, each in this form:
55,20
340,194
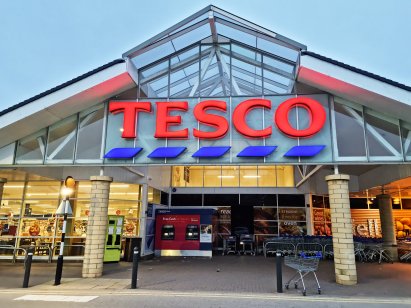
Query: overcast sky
44,43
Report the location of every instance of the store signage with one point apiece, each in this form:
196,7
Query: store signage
234,130
219,123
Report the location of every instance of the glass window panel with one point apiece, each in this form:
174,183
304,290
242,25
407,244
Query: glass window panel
191,53
382,136
10,209
350,131
192,36
230,176
276,78
235,34
30,150
40,207
83,190
178,178
285,176
80,208
43,190
248,176
277,49
288,68
90,134
212,176
36,228
7,154
406,139
193,176
61,140
124,191
13,190
291,201
154,195
154,54
249,53
155,69
267,176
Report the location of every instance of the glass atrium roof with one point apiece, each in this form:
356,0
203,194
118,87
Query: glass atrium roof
214,53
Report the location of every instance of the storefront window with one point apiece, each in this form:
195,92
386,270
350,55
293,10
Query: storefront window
230,176
233,176
267,176
285,176
248,176
43,190
212,176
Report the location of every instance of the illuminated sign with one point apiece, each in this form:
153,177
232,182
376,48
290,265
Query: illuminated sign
164,119
221,127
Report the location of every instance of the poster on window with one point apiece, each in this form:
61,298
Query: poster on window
293,228
206,233
266,227
265,213
291,214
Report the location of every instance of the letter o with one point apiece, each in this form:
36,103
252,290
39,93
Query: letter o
315,110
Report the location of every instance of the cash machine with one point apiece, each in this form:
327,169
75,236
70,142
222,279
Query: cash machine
112,248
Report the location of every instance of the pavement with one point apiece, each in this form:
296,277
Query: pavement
221,278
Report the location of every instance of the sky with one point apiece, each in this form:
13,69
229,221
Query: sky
44,43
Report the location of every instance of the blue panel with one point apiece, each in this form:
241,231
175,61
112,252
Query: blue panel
304,150
122,153
167,152
257,151
211,152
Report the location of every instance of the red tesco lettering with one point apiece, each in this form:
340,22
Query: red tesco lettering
167,123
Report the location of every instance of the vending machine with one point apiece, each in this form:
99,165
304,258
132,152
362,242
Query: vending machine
112,248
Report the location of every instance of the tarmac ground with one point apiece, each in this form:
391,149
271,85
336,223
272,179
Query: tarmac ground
216,280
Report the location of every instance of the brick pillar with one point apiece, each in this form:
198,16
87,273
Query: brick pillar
387,224
96,227
344,258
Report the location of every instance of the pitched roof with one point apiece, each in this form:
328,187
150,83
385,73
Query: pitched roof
61,86
356,70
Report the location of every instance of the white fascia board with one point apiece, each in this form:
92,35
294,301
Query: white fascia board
62,95
359,80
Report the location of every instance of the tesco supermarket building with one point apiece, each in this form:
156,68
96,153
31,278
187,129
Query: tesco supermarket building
217,113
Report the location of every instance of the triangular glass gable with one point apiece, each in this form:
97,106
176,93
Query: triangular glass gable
215,53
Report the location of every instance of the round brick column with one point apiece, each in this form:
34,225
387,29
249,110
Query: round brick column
344,257
387,224
96,227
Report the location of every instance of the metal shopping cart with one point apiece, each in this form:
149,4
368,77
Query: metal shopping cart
230,245
303,265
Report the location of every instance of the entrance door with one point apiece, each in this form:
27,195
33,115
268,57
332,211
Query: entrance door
242,216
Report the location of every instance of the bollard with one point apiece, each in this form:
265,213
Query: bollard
134,272
279,273
27,268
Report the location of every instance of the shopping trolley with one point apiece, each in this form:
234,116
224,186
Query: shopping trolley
303,265
230,245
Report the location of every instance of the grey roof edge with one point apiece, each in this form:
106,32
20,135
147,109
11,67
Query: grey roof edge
61,86
357,70
201,12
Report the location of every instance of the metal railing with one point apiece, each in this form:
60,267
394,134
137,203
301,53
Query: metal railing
15,249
